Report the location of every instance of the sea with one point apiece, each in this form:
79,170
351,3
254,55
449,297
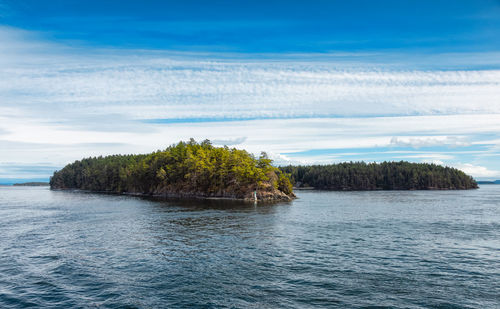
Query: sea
383,249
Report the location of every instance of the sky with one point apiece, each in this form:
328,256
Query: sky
309,82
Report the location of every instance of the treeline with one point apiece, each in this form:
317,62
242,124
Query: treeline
184,169
31,184
379,176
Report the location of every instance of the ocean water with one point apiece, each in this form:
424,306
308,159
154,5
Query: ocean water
387,249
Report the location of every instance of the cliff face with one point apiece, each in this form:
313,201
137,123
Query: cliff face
266,193
184,170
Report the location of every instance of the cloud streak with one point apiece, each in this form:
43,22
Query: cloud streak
172,90
419,142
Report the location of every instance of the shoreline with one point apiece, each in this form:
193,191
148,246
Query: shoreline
181,196
381,189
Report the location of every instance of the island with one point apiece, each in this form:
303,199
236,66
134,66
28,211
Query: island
186,169
32,184
489,182
379,176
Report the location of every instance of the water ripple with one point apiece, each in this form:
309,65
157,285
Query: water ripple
327,249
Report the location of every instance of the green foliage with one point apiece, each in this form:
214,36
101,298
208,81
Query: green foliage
284,183
384,176
185,168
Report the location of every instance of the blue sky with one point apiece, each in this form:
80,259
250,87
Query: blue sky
265,26
307,81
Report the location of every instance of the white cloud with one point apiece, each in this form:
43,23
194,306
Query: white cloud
438,162
430,157
229,141
419,142
477,171
148,88
282,160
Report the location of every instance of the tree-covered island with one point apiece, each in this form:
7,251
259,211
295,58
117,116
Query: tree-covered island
191,169
187,169
380,176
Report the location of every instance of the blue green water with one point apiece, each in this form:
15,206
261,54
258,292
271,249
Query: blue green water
395,249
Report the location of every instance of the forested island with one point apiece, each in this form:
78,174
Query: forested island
380,176
187,169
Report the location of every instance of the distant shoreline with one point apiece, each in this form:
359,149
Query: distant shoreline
31,184
488,182
382,189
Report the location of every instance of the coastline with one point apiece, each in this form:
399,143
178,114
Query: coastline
175,195
382,189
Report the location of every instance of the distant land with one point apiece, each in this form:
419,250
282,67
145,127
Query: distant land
32,184
489,182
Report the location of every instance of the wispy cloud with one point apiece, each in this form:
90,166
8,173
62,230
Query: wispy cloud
173,89
429,157
230,141
419,142
27,171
